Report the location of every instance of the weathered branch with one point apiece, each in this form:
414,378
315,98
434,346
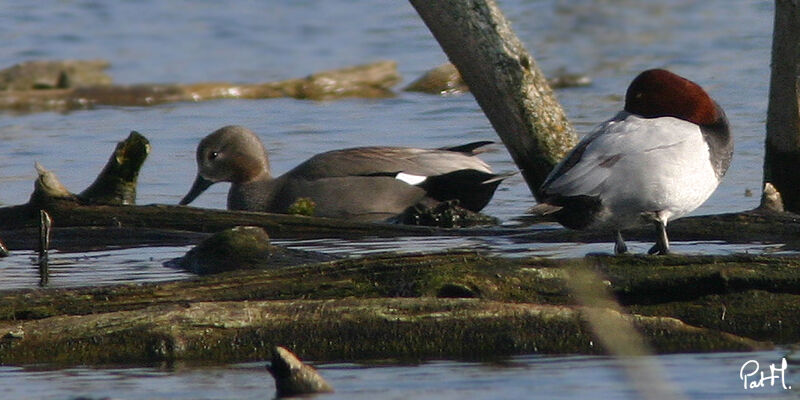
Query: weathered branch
505,80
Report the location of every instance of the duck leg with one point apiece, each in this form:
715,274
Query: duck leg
619,245
662,242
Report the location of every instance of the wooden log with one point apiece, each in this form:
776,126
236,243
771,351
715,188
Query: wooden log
782,148
83,227
68,213
505,81
373,80
392,306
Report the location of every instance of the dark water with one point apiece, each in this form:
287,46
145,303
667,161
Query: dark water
722,44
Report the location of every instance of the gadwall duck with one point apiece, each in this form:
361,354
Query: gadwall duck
657,160
363,183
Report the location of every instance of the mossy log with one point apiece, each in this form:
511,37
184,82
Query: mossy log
405,307
373,80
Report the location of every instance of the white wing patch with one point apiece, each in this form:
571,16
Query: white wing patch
410,179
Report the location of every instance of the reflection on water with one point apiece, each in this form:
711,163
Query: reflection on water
21,270
544,377
146,265
510,246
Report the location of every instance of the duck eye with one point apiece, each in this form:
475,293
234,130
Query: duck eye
213,155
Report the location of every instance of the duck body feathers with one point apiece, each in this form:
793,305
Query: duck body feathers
630,167
365,183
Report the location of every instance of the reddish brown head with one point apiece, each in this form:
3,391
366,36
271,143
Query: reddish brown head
660,93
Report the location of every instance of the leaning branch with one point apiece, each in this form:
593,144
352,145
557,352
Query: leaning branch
505,81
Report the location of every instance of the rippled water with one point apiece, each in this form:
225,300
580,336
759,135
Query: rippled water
722,44
526,377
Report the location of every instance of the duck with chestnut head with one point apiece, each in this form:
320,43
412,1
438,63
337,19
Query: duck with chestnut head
658,159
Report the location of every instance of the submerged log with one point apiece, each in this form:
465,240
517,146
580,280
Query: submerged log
388,307
241,248
373,80
505,81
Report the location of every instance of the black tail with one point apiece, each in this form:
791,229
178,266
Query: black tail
472,188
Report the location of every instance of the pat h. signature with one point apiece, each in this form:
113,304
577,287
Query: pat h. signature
753,377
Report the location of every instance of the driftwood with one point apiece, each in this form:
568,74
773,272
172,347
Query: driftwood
782,147
505,81
412,306
445,79
369,80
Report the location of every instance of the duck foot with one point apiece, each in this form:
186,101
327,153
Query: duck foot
662,241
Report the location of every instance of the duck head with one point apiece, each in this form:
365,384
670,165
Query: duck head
230,154
660,93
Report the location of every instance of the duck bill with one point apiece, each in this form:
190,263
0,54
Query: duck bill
199,186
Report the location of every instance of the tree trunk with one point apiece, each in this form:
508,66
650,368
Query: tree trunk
505,81
782,149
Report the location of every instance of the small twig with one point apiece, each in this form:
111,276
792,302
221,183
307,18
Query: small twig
45,223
